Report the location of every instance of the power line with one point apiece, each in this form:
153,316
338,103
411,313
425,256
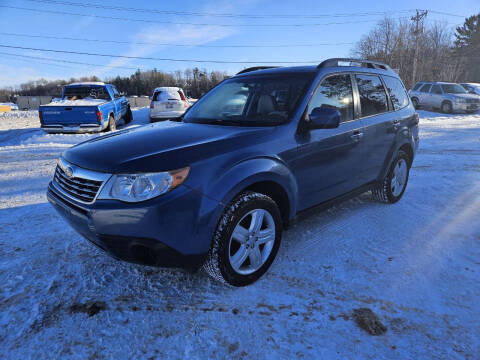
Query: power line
157,59
185,23
170,44
67,61
210,14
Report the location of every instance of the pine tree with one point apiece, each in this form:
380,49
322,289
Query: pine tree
467,47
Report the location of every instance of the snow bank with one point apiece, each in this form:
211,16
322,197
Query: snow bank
82,102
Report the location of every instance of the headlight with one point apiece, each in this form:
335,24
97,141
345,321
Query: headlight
140,187
461,101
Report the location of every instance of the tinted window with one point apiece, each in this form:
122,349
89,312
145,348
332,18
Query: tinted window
397,92
86,92
426,88
251,100
436,90
115,91
334,92
417,86
453,89
373,98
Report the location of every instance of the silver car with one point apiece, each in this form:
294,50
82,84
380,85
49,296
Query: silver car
448,97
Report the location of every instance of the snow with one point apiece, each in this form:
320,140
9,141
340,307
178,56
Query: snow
80,102
416,264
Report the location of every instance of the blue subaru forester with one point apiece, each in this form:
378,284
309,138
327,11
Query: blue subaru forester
216,189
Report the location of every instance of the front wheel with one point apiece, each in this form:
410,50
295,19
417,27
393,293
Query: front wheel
246,241
415,103
447,107
391,189
128,116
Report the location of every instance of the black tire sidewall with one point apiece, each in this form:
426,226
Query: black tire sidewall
415,103
228,273
392,198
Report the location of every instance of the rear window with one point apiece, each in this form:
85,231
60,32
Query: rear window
397,92
166,95
373,98
86,92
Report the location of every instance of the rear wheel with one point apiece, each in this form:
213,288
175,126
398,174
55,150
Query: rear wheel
112,126
391,189
447,107
415,103
246,240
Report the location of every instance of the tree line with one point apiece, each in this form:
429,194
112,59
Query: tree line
195,82
443,54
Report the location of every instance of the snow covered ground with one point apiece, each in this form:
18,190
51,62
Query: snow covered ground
416,264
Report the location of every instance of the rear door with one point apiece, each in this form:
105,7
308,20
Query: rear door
380,124
424,95
329,160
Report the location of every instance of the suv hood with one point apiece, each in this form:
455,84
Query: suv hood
465,96
161,147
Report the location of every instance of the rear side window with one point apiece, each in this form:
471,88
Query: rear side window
373,99
417,86
426,88
397,92
334,92
436,90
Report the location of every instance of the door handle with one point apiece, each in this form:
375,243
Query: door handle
357,136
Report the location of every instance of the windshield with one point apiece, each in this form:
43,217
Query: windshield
453,89
85,92
251,101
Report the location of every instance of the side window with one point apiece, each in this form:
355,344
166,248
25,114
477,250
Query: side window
373,99
397,92
115,91
334,92
436,90
426,88
417,86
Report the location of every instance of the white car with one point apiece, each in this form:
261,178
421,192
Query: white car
168,103
472,88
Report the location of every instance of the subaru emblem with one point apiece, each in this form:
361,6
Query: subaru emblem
69,171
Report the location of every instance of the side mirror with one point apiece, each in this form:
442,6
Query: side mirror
324,118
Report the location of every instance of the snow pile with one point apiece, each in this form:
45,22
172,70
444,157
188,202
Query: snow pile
82,102
414,264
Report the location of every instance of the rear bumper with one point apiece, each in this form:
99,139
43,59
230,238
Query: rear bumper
77,129
167,231
165,115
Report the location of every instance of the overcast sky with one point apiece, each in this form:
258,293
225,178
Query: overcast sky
312,19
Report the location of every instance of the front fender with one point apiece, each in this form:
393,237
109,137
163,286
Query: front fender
244,174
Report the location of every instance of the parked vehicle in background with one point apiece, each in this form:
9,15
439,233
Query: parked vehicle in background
448,97
168,103
260,148
472,88
11,106
85,107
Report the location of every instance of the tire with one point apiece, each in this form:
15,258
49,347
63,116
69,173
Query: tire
446,107
112,126
226,247
415,103
128,116
388,192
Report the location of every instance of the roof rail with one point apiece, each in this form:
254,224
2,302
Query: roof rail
255,68
354,62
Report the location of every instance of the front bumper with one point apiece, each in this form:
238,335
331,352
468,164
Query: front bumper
461,107
76,129
171,230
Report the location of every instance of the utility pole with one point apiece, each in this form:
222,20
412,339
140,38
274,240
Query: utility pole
420,14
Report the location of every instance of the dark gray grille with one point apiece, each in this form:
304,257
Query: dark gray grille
78,188
473,101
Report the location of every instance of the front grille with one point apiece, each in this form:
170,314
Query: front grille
84,190
473,101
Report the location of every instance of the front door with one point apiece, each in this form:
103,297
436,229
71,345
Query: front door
328,160
436,96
